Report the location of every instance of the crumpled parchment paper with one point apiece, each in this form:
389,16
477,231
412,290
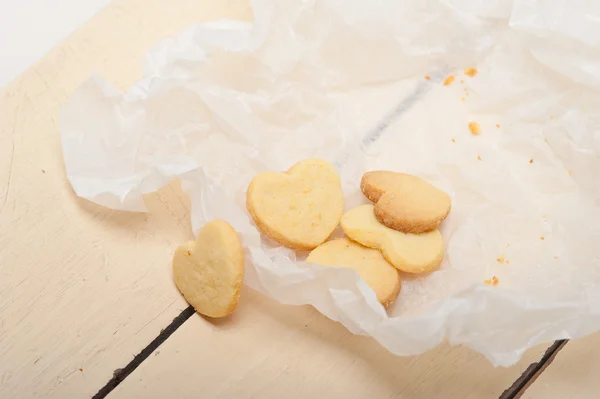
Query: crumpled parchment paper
345,81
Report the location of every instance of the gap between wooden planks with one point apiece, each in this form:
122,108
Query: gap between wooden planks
270,350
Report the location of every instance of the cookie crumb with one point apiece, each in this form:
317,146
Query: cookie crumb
474,128
531,161
449,80
471,72
427,77
189,253
507,262
542,238
555,257
497,125
500,259
454,141
492,281
462,81
570,173
479,158
462,99
80,369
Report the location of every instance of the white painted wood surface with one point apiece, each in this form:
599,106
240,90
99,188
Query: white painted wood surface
267,350
573,373
82,288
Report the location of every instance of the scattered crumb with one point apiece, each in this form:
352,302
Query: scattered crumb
570,173
462,81
507,262
479,158
497,125
471,72
531,161
427,77
500,259
454,141
449,80
462,99
189,253
466,93
555,257
493,281
474,128
80,369
43,171
542,238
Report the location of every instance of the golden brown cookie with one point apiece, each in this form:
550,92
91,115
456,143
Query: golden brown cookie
371,266
299,208
411,253
210,270
405,203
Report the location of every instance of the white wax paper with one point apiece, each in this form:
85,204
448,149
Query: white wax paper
345,81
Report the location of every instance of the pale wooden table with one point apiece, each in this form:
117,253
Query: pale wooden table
84,289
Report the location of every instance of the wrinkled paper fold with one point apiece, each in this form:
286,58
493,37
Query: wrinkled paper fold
345,81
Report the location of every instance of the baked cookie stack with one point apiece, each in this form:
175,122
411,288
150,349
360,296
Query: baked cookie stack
300,209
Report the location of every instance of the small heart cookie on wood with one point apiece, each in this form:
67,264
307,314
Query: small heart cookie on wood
209,271
369,264
411,253
405,203
299,208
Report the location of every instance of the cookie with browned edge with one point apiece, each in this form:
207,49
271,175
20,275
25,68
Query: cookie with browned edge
405,203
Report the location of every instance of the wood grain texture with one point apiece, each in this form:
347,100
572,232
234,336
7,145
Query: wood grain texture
83,288
268,350
573,374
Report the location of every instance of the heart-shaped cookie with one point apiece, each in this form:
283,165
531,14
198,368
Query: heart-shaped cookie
411,253
299,208
405,203
369,263
210,270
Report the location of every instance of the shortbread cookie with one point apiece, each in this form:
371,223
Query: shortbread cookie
210,270
405,203
411,253
369,264
299,208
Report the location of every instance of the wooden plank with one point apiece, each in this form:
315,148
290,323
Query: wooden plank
83,288
574,373
267,350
